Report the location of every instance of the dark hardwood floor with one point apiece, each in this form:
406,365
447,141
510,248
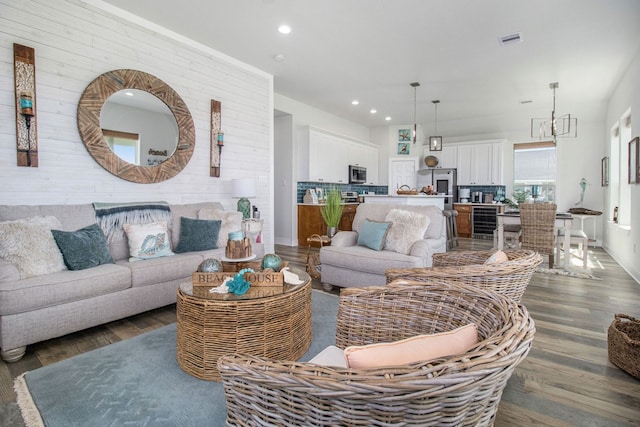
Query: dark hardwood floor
566,380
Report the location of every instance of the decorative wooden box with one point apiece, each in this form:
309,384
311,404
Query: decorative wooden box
262,283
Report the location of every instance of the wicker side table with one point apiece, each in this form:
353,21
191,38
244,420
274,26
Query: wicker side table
277,326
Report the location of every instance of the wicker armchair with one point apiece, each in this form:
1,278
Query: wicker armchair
509,278
457,390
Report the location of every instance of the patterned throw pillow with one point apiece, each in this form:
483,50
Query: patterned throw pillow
147,241
28,244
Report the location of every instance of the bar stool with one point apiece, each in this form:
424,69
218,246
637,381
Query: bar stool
452,229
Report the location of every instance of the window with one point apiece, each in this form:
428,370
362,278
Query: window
619,188
125,145
534,172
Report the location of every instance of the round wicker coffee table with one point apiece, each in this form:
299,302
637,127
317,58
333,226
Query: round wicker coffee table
212,325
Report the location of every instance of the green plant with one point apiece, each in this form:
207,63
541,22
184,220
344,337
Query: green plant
332,209
519,196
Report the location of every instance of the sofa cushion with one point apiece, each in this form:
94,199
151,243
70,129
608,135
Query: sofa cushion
198,234
373,234
414,349
231,221
84,248
29,245
360,258
58,288
406,229
164,269
147,241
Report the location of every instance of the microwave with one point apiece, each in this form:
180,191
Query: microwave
357,174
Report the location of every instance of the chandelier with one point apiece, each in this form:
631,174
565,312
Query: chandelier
561,126
435,142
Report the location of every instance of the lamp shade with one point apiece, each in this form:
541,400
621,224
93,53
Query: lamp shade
243,188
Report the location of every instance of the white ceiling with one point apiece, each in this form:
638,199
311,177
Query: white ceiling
371,50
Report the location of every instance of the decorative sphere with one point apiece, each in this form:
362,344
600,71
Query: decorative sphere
272,261
210,265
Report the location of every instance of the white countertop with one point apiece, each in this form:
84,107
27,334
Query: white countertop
422,195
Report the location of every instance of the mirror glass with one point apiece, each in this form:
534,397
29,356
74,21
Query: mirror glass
146,153
138,127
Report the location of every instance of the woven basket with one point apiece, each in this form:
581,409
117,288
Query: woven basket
623,340
405,190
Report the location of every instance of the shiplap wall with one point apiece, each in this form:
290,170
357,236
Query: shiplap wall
74,42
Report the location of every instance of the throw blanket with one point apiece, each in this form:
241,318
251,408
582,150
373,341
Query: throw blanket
112,216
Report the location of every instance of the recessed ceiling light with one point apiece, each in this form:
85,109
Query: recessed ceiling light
388,118
510,39
355,102
284,29
373,111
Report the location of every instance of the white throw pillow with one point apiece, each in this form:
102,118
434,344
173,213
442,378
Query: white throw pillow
406,229
231,221
148,241
29,245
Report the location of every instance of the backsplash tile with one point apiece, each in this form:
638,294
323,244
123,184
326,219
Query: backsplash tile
304,185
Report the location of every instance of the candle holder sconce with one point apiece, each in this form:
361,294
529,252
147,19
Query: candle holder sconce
217,138
24,67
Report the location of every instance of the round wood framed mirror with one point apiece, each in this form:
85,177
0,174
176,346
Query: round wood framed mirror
90,106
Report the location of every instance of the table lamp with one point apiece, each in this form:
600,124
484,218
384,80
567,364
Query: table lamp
242,189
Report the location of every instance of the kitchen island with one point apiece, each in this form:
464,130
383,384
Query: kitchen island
417,200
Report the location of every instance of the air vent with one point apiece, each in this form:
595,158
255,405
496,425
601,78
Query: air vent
510,39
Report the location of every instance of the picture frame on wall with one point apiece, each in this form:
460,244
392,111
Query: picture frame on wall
634,161
404,148
604,172
404,134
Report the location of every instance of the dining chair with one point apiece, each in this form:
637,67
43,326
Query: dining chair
537,227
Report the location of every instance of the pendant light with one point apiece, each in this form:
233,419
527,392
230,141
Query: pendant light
562,126
414,85
435,142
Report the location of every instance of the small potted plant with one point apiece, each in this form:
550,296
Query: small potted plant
332,210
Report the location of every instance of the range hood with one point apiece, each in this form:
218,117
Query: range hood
427,164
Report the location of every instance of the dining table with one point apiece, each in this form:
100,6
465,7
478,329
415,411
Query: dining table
564,221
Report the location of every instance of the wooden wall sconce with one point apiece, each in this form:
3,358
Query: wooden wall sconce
217,137
24,72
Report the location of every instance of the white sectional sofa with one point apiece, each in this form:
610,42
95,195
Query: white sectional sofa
51,305
347,264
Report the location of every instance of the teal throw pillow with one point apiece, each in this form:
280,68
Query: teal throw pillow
198,234
84,248
373,234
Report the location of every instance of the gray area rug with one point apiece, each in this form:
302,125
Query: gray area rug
138,382
580,274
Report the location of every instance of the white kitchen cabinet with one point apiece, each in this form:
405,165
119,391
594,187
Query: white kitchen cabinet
448,157
480,164
496,163
329,157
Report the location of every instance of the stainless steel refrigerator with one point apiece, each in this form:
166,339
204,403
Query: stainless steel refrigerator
443,181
